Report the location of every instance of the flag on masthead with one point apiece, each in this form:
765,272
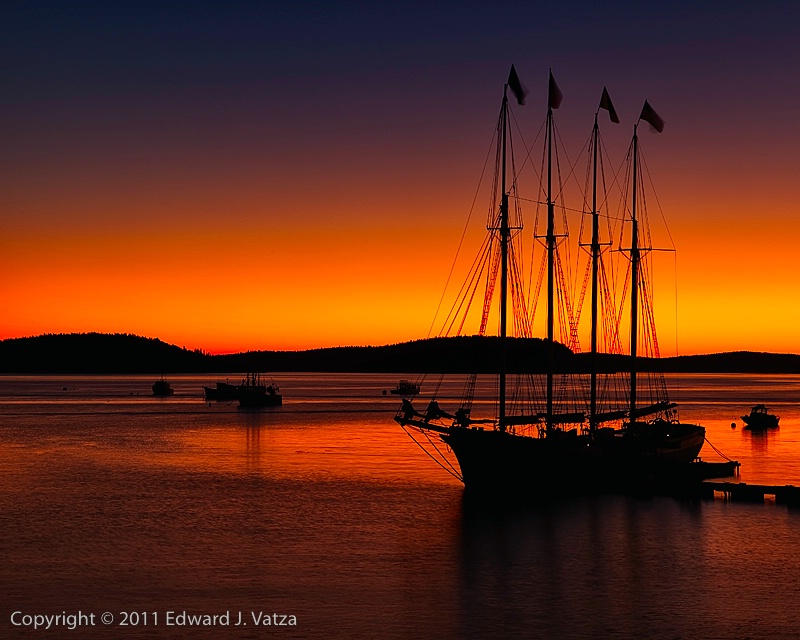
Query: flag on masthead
651,117
554,95
605,103
516,86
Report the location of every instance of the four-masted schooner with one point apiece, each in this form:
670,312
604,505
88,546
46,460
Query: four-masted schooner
538,447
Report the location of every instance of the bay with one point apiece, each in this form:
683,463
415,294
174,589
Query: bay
112,500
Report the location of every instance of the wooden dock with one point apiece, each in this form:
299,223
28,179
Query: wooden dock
715,480
787,494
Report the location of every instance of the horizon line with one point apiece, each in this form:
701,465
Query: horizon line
205,352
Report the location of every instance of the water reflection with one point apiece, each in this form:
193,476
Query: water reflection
615,566
253,447
757,440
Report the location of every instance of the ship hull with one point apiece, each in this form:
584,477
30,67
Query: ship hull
254,403
257,398
491,460
760,423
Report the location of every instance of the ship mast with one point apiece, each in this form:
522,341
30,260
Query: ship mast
551,245
595,249
504,239
635,259
605,103
519,92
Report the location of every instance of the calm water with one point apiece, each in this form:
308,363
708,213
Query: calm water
114,501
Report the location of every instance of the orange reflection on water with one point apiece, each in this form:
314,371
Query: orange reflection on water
374,449
376,452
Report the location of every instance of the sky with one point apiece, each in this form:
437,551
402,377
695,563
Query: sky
242,176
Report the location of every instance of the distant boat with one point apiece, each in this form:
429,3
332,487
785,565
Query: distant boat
254,393
405,388
162,388
223,391
760,419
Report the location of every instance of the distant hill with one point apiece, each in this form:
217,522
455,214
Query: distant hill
729,362
462,354
733,362
95,353
123,353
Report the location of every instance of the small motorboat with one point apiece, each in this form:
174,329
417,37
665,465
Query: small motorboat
760,419
405,388
162,388
223,391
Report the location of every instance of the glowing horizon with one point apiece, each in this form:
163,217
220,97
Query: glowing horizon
233,189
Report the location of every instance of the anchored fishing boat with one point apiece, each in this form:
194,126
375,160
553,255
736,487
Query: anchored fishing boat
222,391
557,432
760,419
405,388
251,392
162,388
255,393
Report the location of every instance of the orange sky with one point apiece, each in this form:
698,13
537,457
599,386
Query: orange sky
240,190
